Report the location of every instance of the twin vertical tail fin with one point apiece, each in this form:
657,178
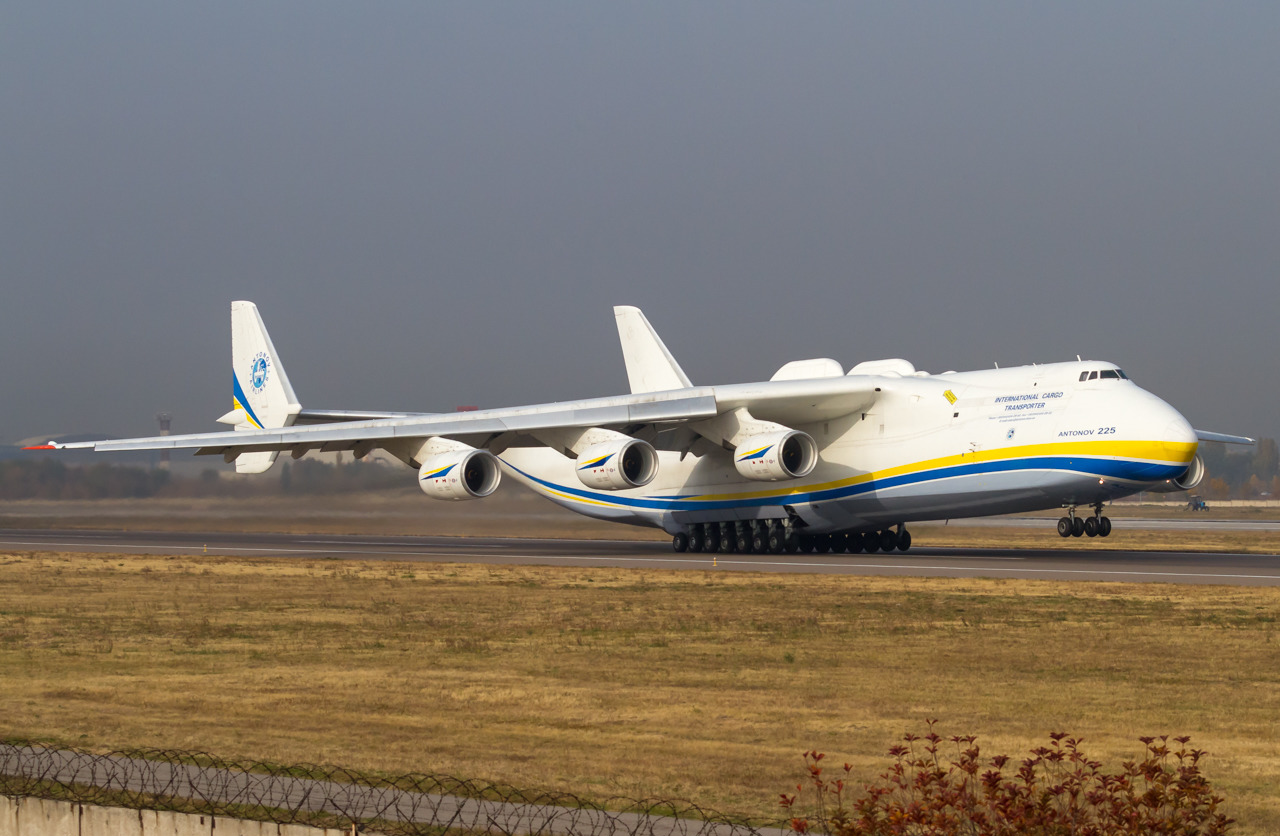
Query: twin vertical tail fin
261,395
650,366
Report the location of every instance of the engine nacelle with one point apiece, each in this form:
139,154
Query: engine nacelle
617,465
1185,482
460,474
789,454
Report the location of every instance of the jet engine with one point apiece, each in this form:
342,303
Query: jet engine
618,464
1185,482
769,457
460,474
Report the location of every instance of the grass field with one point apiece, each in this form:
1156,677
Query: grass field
693,684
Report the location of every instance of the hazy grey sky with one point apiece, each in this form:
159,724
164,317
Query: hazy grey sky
436,204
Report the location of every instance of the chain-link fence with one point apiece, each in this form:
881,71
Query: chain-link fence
407,805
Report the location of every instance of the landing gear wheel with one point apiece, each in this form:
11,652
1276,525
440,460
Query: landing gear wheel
855,542
888,540
793,543
712,543
777,541
1064,527
904,540
744,543
806,543
870,542
696,539
1104,526
1091,526
1077,527
727,541
680,542
758,543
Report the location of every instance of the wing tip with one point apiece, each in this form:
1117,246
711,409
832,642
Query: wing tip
49,446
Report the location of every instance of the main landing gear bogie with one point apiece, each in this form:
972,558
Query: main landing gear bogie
777,537
1095,526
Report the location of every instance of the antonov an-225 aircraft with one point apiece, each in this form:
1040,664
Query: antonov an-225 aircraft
813,459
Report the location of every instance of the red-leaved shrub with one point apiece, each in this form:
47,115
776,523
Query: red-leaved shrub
1056,790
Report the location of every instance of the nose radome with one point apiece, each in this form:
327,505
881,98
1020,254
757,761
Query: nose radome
1179,438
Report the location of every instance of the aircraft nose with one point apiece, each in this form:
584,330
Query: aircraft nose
1179,438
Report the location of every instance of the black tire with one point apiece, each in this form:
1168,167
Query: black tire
777,542
712,541
1077,527
793,543
1104,526
888,540
758,544
870,542
1091,526
680,542
855,542
806,543
1064,527
904,540
744,544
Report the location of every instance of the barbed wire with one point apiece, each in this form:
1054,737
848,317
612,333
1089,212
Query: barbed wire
405,805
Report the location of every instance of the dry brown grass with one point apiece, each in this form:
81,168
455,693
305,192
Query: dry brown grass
693,684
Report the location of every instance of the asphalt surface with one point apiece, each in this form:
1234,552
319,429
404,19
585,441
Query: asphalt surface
1099,565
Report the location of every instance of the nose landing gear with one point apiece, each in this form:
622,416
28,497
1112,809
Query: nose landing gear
1095,526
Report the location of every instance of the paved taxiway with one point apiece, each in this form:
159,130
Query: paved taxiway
1101,565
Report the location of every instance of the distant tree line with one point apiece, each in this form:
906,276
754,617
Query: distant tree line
47,478
1241,473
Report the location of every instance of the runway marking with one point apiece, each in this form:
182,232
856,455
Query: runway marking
843,566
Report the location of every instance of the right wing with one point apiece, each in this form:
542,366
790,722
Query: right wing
1223,438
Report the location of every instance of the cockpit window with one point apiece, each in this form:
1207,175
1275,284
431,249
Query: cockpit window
1084,375
1110,374
1093,375
1123,376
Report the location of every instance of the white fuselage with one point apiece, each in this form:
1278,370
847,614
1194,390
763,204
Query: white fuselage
944,446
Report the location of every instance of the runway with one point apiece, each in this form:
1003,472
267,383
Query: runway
1046,564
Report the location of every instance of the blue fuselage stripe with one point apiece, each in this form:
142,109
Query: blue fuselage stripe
1136,471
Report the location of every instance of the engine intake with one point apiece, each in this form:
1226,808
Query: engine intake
1188,480
461,474
770,457
618,465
